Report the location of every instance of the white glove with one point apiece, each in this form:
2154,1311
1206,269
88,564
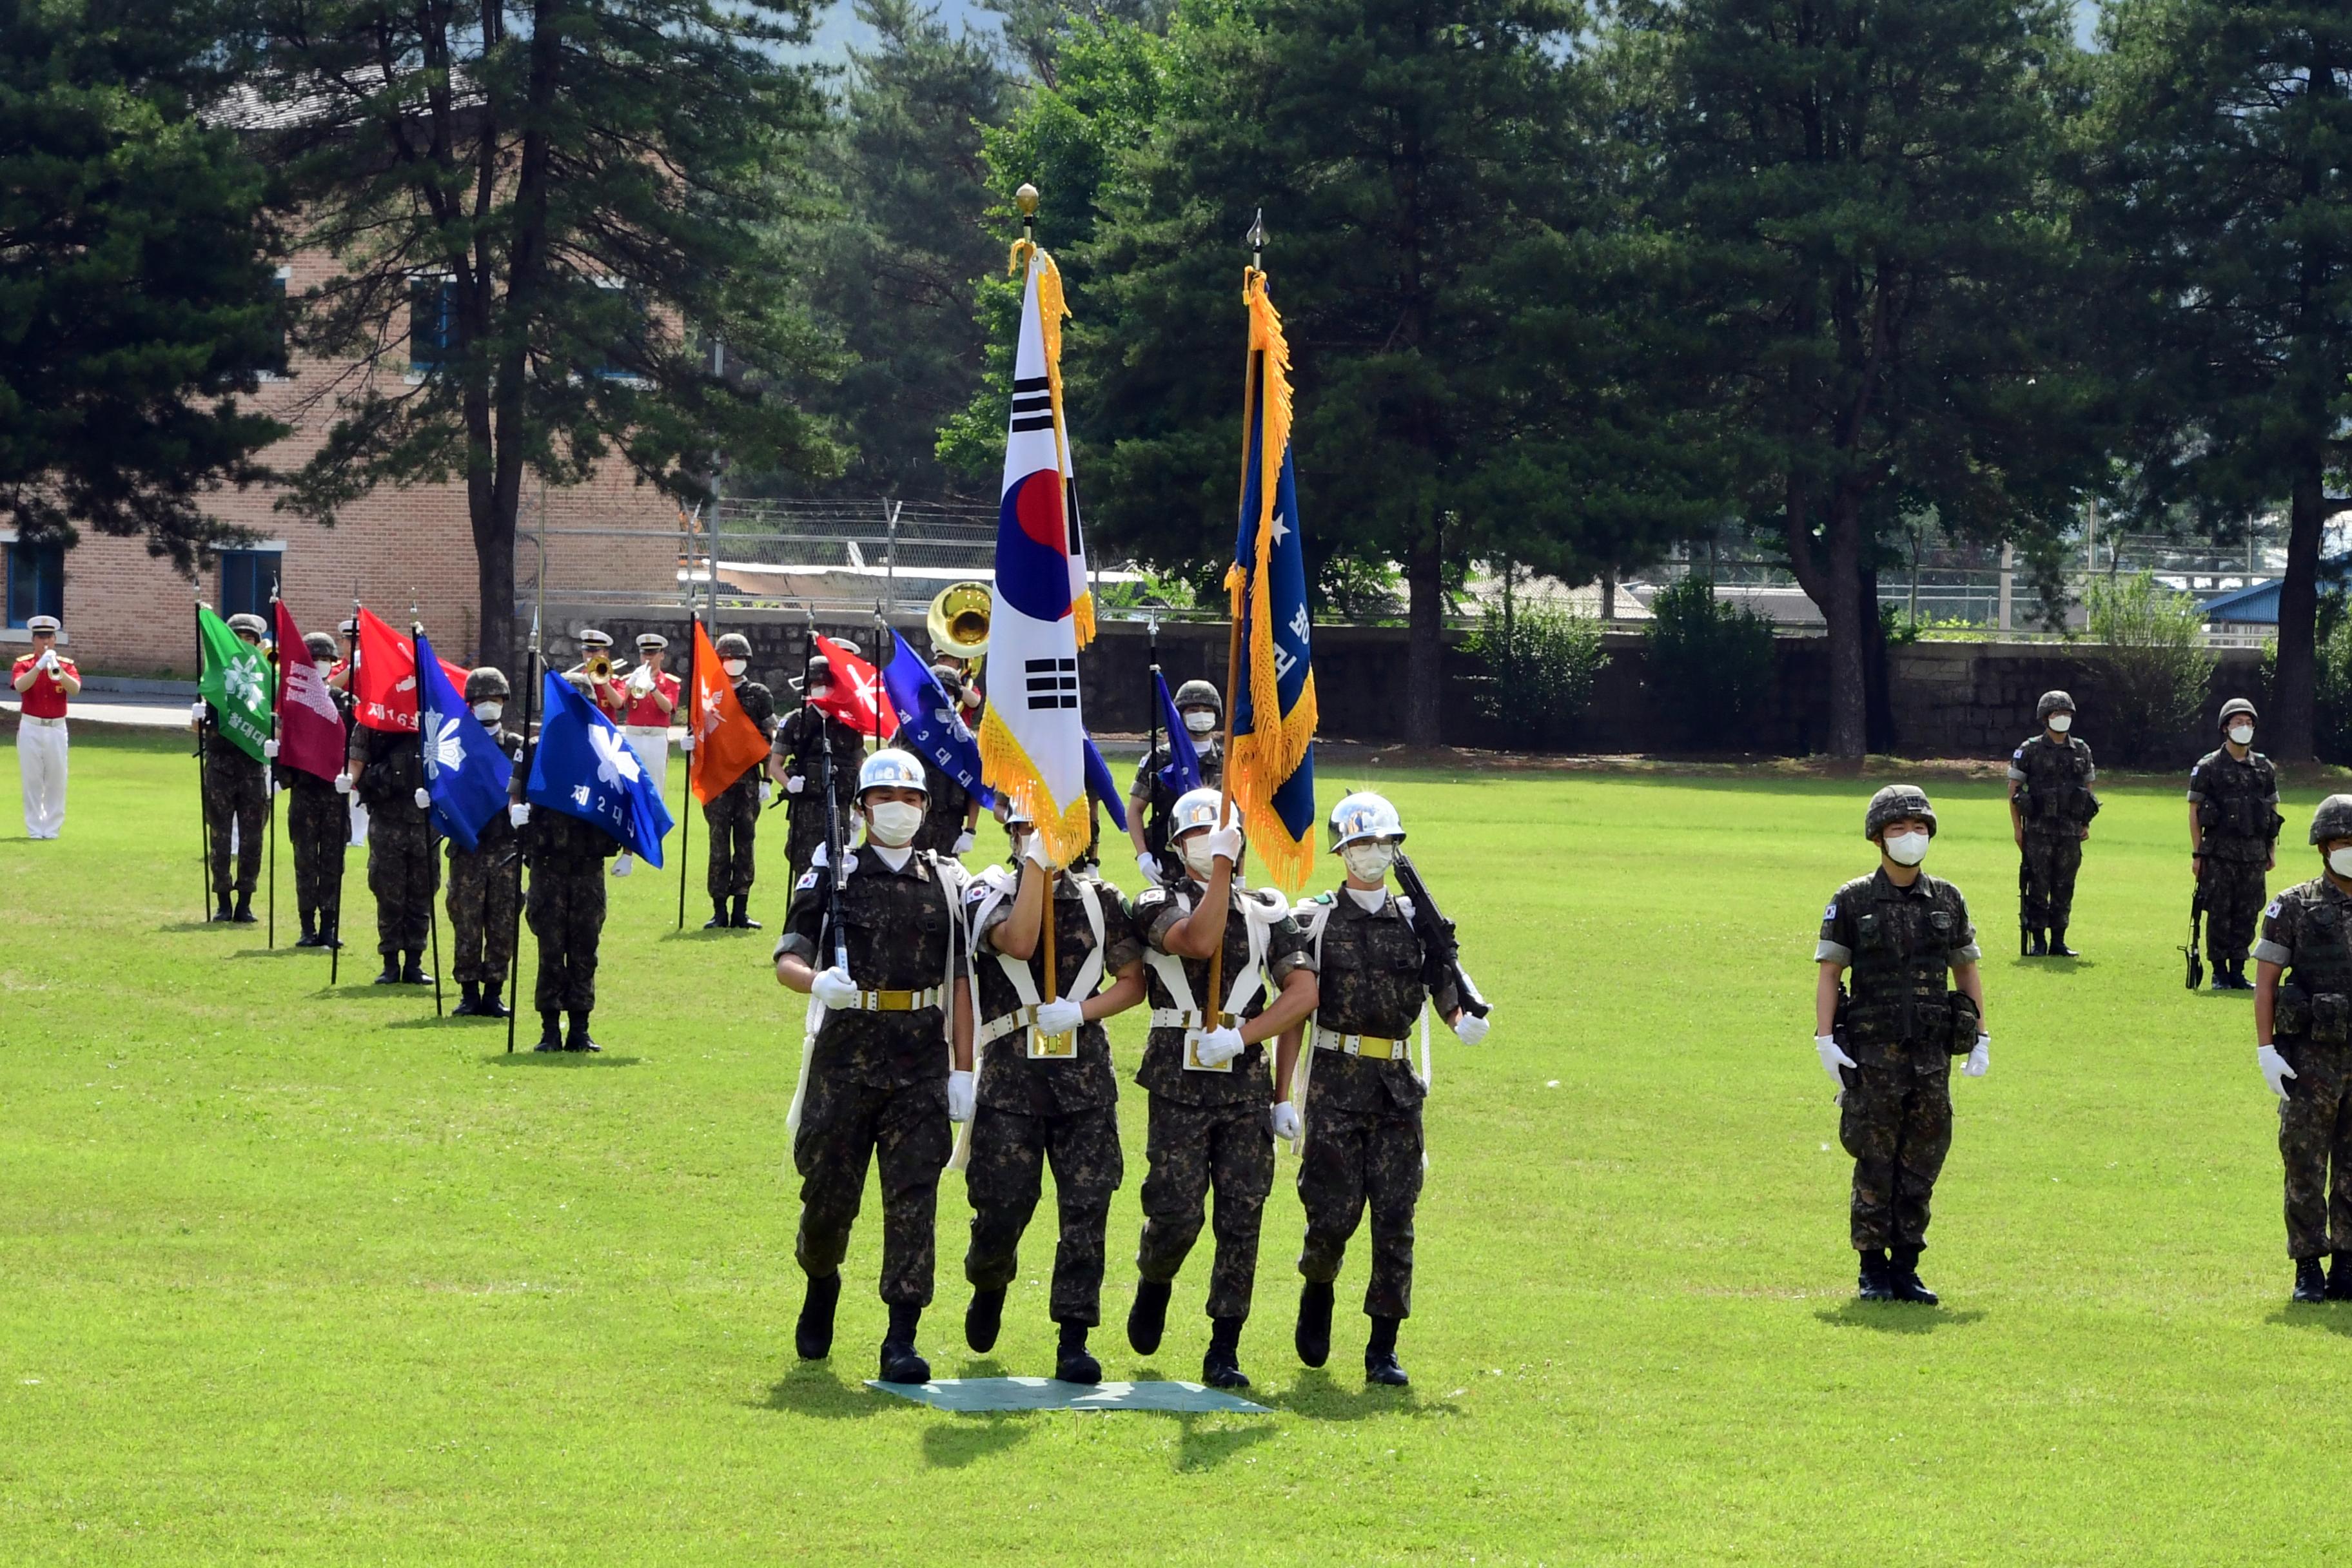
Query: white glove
792,782
519,812
48,660
767,791
268,782
641,681
1470,1027
195,712
1059,1018
343,783
1283,1121
1225,842
2275,1072
270,749
424,798
686,742
959,1096
626,864
1219,1047
834,988
1980,1059
1833,1056
964,841
1037,852
1148,864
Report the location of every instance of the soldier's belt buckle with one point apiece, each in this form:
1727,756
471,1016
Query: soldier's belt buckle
1373,1047
1052,1048
1192,1062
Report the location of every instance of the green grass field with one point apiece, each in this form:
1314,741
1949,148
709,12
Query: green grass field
302,1274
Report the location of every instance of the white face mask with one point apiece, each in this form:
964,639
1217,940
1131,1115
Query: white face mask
1369,862
1200,720
2243,734
1906,848
734,667
1197,858
488,712
892,823
2340,861
2061,722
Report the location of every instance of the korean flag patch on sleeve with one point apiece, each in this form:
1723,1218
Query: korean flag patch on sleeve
2273,911
1830,913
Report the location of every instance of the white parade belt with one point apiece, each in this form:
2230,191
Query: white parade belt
1185,1018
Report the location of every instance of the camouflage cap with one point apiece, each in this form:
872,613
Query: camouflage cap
485,682
321,644
733,645
1198,694
2235,706
1895,802
2333,819
2051,702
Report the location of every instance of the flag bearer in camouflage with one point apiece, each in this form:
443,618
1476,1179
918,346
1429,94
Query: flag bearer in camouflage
565,907
1046,1089
1361,1137
387,774
887,1064
236,799
318,824
2050,811
2234,825
798,760
734,815
1151,803
2303,1043
1889,1048
482,880
1209,1119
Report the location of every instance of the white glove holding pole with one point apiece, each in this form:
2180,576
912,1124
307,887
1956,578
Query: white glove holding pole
834,988
965,840
1470,1028
686,742
1225,843
624,863
1219,1047
767,791
343,783
1833,1056
424,798
959,1096
1060,1017
195,712
1037,852
270,749
1980,1059
2275,1072
1283,1121
792,783
519,812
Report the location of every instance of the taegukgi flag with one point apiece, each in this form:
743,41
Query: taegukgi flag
1032,738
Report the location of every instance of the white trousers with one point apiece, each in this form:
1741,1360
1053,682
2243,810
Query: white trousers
41,763
651,742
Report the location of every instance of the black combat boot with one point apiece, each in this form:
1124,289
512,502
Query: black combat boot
223,914
2310,1284
1222,1367
2058,948
1903,1275
2339,1277
469,1000
1147,1319
813,1335
329,935
2238,981
717,920
578,1039
1381,1365
1073,1362
1876,1284
391,975
242,914
493,990
2041,945
741,919
309,937
982,1319
1314,1333
550,1032
899,1361
412,972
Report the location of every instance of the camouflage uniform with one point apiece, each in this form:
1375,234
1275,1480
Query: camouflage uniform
318,824
234,793
943,812
734,816
1029,1111
401,871
566,906
2055,802
798,755
878,1088
483,890
1159,800
2307,930
2238,804
1362,1114
1900,1028
1208,1130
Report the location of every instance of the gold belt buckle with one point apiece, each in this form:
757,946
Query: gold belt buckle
1192,1062
1044,1048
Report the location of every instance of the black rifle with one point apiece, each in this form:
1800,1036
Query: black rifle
2195,958
1441,956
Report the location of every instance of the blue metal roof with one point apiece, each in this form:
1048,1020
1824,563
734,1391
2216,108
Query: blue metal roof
2258,605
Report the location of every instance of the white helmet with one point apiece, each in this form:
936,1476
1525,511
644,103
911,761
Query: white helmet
891,768
1196,808
1361,815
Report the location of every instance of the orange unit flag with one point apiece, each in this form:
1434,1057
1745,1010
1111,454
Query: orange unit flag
726,742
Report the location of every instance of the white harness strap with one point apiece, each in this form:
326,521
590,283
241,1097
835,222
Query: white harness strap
1258,915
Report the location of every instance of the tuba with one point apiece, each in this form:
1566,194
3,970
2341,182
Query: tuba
958,622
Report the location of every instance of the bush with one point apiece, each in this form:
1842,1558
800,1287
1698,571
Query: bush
2332,737
1710,663
1541,664
2157,663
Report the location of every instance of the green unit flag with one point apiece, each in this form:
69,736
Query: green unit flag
238,682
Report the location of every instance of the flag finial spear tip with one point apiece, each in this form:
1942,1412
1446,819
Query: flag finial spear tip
1025,198
1256,237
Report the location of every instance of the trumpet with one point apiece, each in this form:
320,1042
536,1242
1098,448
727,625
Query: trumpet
599,665
958,622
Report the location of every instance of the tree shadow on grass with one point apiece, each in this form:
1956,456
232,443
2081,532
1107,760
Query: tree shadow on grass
1897,1317
2332,1317
1319,1397
523,1056
967,1436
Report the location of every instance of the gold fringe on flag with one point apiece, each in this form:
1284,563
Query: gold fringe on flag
1005,764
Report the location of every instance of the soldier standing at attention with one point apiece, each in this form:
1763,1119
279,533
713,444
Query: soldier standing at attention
1210,1121
43,679
387,774
482,884
2050,811
2233,824
1889,1048
565,907
2303,1044
889,1064
1151,803
798,760
236,799
319,824
734,815
1046,1087
1362,1124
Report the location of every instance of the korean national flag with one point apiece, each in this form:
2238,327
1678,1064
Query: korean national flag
465,771
586,768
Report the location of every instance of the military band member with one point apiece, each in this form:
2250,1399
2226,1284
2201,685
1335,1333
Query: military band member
596,669
1362,1134
565,907
318,824
650,695
43,679
1151,803
1889,1048
483,886
797,762
1047,1089
386,773
2051,804
954,812
1208,1120
733,816
339,673
889,1062
236,799
2234,825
